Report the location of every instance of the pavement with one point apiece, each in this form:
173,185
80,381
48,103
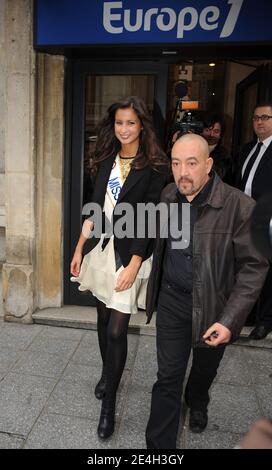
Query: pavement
48,375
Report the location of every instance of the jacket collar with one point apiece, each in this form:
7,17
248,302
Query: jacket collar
216,196
132,179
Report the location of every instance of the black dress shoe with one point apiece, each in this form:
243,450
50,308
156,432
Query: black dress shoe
100,389
198,420
259,332
106,423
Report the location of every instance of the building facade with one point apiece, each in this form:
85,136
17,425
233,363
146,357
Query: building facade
60,71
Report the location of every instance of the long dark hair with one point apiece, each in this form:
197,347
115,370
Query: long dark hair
210,120
149,151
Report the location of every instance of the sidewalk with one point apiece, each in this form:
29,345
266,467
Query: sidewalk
47,379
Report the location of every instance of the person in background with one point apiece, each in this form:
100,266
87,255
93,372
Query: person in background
254,177
203,292
213,132
130,168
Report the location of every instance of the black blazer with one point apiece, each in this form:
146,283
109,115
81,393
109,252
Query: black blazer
262,181
140,186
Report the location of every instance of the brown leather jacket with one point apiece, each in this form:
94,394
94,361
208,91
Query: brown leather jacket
228,272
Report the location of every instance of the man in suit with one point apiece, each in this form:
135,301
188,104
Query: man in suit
254,177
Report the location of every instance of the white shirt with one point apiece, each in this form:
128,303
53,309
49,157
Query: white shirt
248,186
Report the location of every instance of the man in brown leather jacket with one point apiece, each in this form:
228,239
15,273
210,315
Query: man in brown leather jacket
203,292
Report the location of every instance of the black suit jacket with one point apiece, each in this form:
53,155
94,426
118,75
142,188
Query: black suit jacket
140,186
262,181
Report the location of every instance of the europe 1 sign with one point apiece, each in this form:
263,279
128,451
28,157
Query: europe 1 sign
93,22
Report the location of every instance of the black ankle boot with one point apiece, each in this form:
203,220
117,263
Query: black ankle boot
106,422
100,388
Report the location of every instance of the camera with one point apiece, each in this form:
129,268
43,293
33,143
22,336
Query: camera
184,119
188,122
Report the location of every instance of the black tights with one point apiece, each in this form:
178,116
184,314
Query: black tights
112,327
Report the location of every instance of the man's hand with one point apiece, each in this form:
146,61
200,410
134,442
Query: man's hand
217,334
259,436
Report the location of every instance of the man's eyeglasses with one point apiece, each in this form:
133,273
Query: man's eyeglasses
263,117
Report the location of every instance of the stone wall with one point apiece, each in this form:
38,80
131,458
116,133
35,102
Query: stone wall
50,160
2,131
31,154
19,159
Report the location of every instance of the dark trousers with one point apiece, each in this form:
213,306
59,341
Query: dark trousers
174,333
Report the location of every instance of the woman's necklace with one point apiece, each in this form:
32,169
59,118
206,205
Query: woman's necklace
125,165
129,157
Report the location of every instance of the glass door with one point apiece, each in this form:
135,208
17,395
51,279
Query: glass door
100,92
91,89
253,89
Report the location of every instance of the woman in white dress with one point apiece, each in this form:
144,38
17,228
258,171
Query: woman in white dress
131,168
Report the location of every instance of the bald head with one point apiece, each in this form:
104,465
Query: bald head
191,164
194,140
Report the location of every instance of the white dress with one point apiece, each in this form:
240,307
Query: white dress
98,274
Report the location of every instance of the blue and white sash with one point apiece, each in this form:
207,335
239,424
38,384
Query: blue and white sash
115,182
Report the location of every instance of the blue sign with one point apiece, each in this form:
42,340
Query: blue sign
93,22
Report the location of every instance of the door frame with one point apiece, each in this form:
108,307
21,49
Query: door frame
76,72
262,76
